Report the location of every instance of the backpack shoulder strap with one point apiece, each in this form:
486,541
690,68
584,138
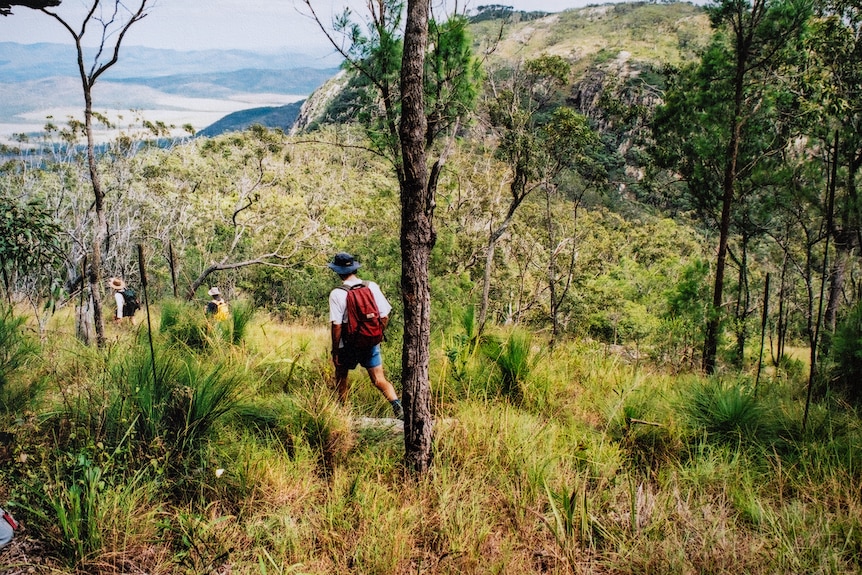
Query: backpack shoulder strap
355,286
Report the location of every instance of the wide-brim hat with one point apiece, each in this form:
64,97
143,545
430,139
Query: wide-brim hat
116,283
214,291
344,263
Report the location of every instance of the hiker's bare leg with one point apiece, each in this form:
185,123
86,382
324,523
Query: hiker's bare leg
380,382
341,386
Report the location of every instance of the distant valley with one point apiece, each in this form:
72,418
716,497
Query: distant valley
212,91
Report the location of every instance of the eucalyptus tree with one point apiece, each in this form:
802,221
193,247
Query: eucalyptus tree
106,22
833,120
710,120
570,148
417,90
521,104
31,248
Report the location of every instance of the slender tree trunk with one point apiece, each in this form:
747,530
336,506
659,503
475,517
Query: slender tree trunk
713,325
742,306
489,268
814,332
781,327
846,240
417,240
552,269
764,318
100,233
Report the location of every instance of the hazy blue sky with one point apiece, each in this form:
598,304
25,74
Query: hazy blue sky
244,24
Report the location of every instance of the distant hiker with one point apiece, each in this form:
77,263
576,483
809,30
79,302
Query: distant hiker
8,525
217,308
358,312
125,298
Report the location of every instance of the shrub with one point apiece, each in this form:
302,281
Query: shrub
846,353
15,347
184,324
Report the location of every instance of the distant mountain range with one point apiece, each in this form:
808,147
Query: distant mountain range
41,80
21,62
272,117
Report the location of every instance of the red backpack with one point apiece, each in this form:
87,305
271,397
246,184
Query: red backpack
364,327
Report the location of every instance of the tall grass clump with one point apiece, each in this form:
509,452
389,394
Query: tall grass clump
140,412
178,405
514,358
185,324
727,412
241,314
459,349
642,422
15,347
319,420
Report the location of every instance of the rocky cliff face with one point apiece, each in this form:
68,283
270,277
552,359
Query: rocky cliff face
617,96
316,104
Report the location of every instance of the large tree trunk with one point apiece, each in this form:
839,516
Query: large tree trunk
417,239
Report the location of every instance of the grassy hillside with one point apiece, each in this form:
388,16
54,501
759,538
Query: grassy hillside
602,465
653,33
189,446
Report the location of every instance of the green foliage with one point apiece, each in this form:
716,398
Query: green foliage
683,318
77,509
29,235
15,347
319,420
186,324
727,412
514,357
846,355
571,523
31,243
452,74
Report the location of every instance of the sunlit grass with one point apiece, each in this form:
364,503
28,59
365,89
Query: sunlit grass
598,467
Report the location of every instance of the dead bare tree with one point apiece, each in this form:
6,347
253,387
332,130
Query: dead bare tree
107,22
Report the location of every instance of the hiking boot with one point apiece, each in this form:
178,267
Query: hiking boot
398,410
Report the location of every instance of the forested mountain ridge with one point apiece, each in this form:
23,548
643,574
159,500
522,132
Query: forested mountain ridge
615,49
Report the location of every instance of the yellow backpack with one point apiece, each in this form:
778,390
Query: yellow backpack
221,313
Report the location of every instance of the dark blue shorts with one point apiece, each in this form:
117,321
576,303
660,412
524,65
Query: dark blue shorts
367,358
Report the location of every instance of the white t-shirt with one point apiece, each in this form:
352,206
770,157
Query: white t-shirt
121,301
338,301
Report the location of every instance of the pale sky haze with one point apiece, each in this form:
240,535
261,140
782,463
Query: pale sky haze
227,24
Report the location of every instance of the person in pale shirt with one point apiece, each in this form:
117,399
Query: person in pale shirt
344,356
118,285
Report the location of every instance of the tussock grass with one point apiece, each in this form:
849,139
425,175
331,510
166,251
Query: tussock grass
243,461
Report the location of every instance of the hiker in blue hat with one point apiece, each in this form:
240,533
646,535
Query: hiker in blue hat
358,312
